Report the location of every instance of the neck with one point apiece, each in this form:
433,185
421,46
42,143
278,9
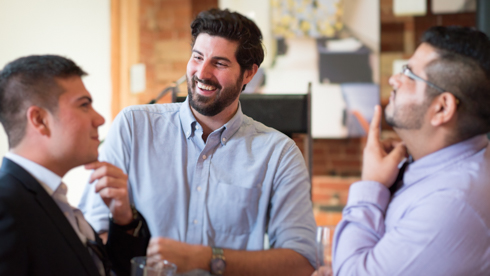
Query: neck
41,157
421,143
212,123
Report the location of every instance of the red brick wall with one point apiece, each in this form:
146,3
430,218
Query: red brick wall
165,41
336,165
202,5
335,157
340,157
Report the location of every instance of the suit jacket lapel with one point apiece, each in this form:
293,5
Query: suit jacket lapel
53,212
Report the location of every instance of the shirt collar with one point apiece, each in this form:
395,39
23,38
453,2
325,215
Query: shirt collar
440,159
187,119
189,122
48,179
232,126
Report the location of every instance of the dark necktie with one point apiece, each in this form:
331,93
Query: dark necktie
399,178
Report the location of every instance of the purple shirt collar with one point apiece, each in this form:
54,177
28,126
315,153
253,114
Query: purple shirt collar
440,159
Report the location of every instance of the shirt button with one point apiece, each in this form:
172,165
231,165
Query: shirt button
198,188
204,157
197,127
223,139
188,133
195,221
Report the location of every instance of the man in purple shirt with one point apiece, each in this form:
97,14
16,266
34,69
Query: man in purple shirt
433,219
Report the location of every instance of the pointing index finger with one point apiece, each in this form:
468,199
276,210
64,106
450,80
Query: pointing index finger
373,134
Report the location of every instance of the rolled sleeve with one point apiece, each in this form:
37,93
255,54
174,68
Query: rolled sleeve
292,224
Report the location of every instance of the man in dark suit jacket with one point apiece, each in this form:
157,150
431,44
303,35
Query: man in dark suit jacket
51,126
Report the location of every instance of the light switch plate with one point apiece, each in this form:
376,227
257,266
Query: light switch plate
138,78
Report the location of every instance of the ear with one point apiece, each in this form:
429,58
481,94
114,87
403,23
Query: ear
249,74
443,109
37,120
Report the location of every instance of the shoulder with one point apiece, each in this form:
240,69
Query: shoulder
161,109
260,131
9,184
148,115
13,193
140,118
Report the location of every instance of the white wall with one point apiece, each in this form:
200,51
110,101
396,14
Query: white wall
361,17
79,30
259,12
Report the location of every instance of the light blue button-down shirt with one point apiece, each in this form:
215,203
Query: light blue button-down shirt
245,181
437,223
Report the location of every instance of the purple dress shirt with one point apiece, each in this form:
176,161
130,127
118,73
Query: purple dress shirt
437,223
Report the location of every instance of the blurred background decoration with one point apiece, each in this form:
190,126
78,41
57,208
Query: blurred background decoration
306,18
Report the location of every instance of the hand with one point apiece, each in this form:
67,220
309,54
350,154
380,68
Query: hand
380,161
186,256
323,271
112,186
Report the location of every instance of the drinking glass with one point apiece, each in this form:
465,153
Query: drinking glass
139,267
324,237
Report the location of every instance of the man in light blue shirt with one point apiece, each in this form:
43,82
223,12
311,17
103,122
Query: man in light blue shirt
435,218
210,181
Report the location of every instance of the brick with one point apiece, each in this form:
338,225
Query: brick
172,50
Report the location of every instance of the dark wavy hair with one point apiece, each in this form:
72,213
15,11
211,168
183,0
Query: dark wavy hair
463,68
235,27
31,81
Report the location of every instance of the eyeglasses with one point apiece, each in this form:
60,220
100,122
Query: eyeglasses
407,72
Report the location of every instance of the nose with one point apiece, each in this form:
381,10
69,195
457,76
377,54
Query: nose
204,71
395,81
98,120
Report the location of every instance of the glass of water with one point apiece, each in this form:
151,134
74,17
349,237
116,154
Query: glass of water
324,238
139,267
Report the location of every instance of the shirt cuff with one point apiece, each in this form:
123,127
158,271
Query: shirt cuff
369,192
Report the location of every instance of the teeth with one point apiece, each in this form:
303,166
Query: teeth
205,87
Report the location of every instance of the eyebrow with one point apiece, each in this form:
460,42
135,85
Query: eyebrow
216,58
84,98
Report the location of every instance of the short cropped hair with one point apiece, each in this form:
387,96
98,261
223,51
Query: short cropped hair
235,27
463,68
29,81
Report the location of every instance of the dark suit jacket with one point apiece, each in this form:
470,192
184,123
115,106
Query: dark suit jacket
37,239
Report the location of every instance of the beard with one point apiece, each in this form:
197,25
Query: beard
407,116
213,105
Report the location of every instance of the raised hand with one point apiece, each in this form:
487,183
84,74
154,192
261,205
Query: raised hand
381,159
112,186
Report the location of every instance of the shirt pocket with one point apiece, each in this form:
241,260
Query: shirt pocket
232,209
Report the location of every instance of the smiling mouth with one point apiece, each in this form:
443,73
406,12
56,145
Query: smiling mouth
205,87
